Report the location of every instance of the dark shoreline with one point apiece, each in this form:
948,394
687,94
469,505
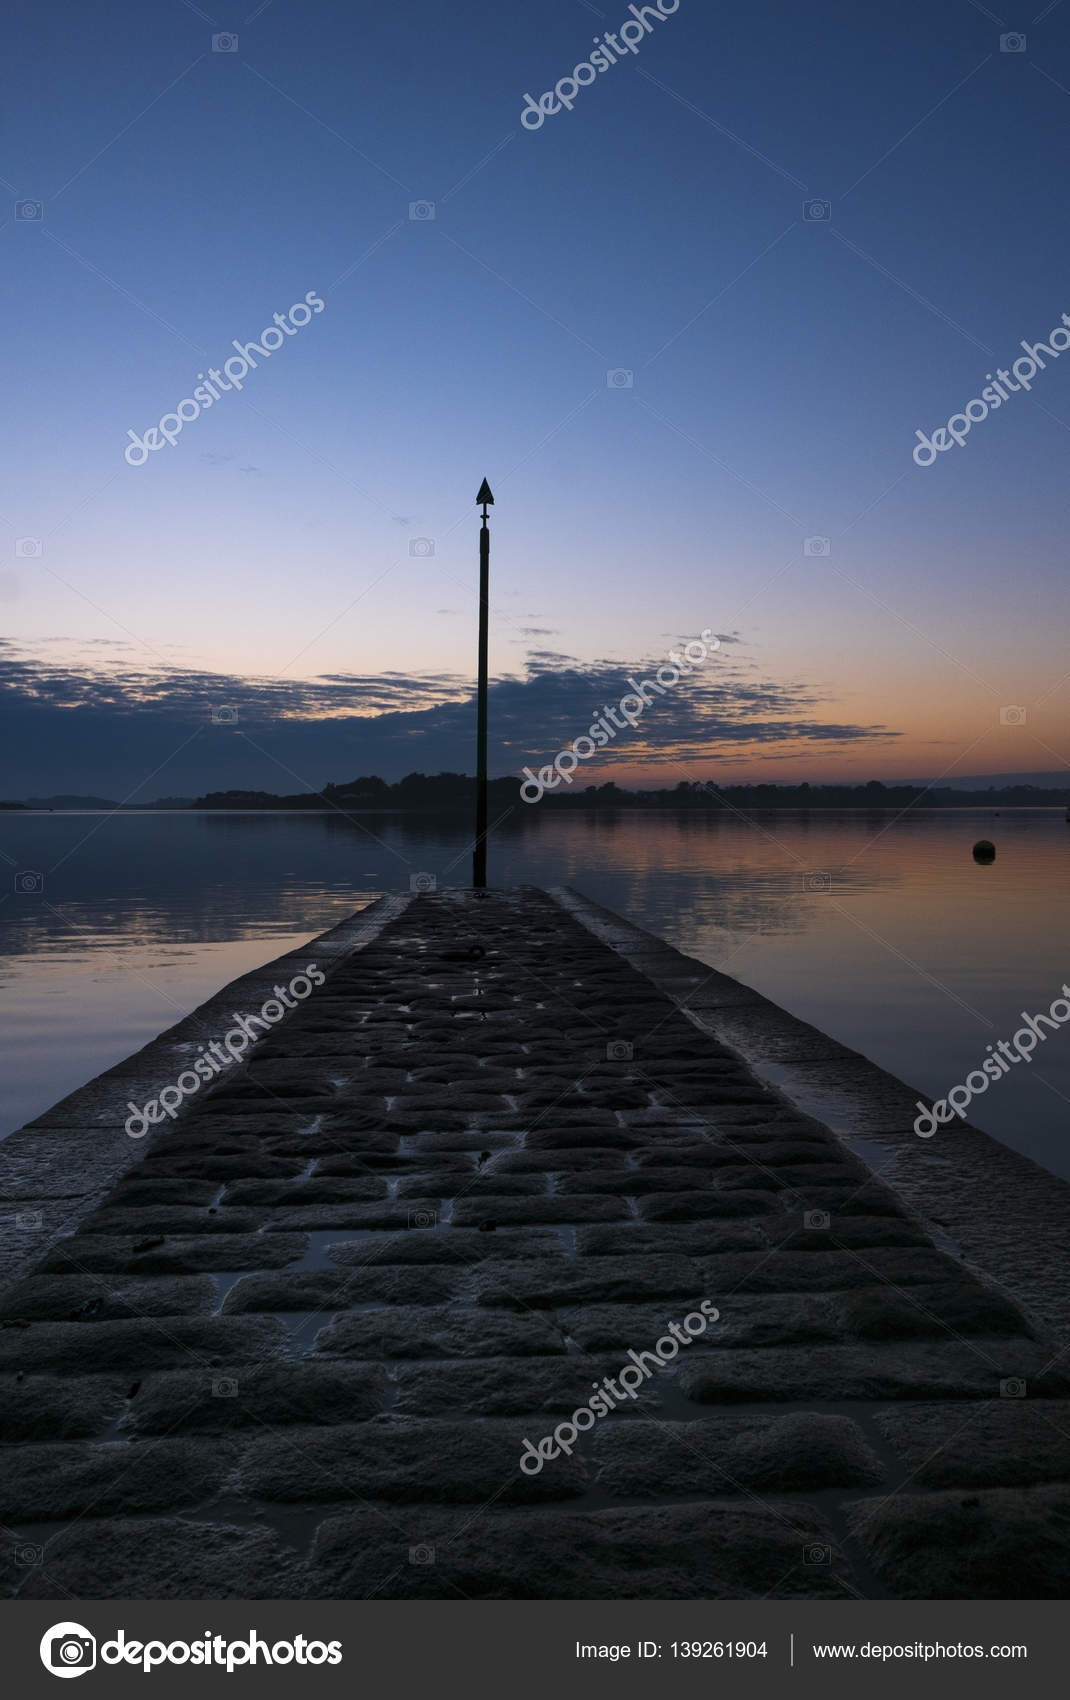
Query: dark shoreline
601,809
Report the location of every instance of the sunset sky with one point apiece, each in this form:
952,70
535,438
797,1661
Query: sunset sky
278,558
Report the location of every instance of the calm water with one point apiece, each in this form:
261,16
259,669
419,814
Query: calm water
885,933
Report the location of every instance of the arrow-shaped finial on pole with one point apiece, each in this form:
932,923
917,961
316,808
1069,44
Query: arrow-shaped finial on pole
479,857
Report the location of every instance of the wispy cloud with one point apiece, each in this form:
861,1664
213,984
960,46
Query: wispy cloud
96,726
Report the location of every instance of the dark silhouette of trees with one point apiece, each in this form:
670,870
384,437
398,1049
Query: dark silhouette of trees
448,791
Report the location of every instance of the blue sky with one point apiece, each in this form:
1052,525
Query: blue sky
781,366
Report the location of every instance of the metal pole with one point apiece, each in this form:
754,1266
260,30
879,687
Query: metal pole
479,856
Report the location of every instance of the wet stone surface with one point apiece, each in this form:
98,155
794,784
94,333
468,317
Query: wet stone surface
300,1347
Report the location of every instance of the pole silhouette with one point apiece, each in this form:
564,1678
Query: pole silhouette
479,856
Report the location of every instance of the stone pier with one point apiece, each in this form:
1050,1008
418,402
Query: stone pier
292,1343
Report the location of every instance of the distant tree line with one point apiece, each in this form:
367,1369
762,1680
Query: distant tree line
415,791
712,794
446,791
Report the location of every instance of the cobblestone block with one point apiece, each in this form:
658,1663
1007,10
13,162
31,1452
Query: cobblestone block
801,1453
307,1290
816,1271
711,1550
42,1484
577,1281
110,1255
944,1369
170,1219
258,1395
962,1307
316,1189
542,1211
793,1320
706,1206
405,1462
134,1347
429,1332
543,1390
90,1298
692,1239
102,1558
1005,1442
1001,1544
53,1407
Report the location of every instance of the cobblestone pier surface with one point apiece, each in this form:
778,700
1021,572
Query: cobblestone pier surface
291,1345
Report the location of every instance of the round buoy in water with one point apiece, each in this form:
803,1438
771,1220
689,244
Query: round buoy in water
984,850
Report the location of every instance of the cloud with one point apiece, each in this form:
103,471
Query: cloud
107,728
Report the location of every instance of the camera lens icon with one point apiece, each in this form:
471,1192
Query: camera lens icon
620,378
29,548
225,715
817,1554
68,1649
817,880
1012,1387
31,211
421,1555
423,1218
619,1050
225,43
1012,43
817,212
1012,715
423,882
72,1650
422,212
817,546
29,883
817,1219
422,548
224,1387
